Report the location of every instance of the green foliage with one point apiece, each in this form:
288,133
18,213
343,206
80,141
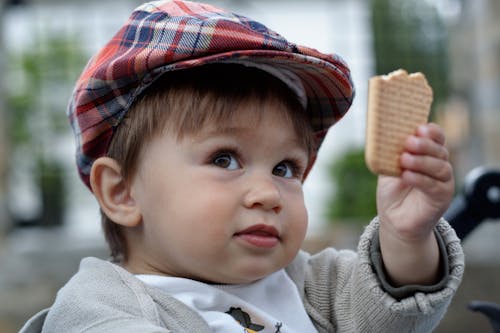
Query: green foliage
32,97
354,197
410,34
19,107
39,78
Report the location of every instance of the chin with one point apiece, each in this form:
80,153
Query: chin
240,278
254,273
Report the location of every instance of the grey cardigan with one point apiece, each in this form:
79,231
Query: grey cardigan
342,291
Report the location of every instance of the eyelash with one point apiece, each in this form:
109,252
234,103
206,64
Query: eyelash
295,165
219,152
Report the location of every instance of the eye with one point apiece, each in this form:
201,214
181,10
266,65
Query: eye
285,170
226,161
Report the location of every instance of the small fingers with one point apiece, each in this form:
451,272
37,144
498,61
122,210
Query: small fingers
418,180
428,140
432,131
425,146
427,184
429,166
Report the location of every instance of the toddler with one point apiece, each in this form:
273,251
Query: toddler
195,131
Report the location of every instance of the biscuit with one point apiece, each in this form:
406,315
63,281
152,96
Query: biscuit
397,104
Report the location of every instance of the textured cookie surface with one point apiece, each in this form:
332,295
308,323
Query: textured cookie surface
397,104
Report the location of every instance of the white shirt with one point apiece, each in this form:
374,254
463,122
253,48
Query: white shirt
270,305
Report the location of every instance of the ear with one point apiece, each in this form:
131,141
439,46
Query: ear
113,193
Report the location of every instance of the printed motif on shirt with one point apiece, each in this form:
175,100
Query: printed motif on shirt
244,320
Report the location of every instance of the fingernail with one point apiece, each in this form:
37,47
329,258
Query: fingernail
413,140
422,129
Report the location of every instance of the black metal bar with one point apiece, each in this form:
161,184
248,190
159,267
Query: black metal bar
479,200
490,310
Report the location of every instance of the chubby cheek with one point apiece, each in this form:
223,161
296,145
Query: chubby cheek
296,222
207,214
298,227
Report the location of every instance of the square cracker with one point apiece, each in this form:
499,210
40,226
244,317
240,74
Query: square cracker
397,104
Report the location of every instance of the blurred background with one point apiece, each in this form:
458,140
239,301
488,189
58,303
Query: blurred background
49,221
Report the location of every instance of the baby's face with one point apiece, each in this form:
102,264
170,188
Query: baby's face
225,205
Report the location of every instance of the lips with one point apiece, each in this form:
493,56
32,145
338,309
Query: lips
262,236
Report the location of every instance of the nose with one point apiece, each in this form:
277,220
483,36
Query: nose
263,193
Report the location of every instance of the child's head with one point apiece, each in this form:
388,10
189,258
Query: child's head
178,72
184,103
202,161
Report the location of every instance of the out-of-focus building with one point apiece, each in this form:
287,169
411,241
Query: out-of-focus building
473,113
475,77
473,127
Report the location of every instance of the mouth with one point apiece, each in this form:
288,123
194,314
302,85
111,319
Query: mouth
262,236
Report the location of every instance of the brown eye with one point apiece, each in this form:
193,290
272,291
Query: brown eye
284,169
226,161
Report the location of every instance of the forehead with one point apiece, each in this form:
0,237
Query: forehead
251,112
247,116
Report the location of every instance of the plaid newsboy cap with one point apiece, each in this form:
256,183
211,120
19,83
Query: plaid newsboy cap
164,36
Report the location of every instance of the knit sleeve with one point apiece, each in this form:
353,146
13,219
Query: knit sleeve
409,290
343,293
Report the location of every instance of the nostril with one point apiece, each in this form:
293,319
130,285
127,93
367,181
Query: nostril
264,199
276,208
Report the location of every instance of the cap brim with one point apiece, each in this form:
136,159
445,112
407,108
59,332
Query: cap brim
327,85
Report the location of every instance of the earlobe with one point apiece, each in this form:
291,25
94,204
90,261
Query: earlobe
113,193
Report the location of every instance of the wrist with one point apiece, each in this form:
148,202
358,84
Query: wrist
406,233
409,260
403,244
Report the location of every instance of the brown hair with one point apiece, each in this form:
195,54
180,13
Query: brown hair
182,102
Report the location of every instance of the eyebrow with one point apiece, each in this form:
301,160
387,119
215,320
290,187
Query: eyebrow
238,131
221,131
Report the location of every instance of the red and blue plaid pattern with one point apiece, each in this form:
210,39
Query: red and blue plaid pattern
163,36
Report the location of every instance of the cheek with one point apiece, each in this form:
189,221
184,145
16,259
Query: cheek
211,198
203,208
298,217
301,222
